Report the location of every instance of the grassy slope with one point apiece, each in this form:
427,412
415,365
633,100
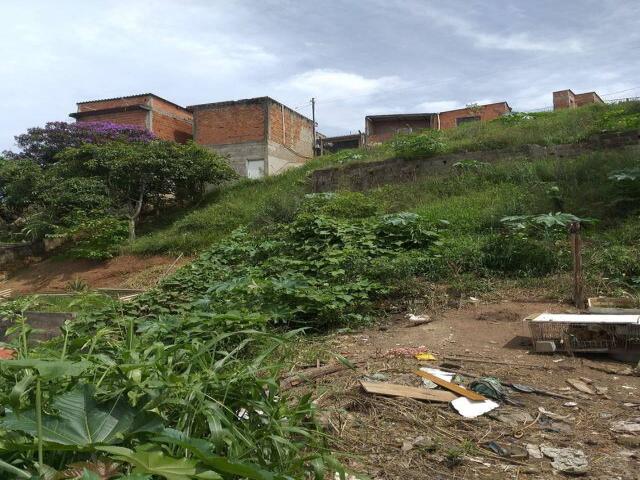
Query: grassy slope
473,203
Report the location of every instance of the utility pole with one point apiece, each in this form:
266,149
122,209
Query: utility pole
313,119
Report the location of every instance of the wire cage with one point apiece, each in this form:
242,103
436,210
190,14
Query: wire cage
587,336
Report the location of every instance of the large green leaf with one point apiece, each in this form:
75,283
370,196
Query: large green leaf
82,422
156,462
48,369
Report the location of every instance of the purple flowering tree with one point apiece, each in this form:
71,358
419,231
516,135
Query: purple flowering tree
41,144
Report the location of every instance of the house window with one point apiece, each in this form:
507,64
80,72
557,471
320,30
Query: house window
255,168
461,120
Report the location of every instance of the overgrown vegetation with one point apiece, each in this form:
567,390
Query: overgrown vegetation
183,382
91,183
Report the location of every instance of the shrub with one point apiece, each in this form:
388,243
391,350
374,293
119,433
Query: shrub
340,205
517,255
421,145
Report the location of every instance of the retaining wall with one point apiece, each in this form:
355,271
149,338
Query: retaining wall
362,176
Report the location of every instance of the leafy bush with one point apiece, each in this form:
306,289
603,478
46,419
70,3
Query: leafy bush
421,145
340,205
518,255
97,238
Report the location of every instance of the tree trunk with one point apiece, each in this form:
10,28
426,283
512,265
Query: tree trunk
132,229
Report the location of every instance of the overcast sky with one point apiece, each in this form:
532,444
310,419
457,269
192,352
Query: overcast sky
355,57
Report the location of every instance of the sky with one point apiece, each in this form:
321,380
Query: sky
356,58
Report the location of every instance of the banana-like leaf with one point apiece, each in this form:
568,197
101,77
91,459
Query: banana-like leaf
49,369
156,462
82,422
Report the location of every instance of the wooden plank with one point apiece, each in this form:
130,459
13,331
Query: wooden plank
470,394
394,390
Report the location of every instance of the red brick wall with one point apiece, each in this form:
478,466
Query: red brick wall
486,113
296,133
587,98
133,117
563,99
170,128
171,122
236,123
117,102
383,130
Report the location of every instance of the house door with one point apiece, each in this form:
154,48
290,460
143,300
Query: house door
255,168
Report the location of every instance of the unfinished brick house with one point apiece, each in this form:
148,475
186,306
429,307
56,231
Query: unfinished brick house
162,117
341,142
380,128
260,136
568,99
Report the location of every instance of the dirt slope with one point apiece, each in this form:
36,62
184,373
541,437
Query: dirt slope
126,271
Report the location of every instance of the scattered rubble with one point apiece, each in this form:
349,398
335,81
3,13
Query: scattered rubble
567,460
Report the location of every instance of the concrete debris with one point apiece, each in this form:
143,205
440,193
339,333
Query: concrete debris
627,426
580,385
567,460
601,390
419,441
514,418
415,320
534,451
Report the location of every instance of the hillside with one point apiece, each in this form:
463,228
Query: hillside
247,361
472,199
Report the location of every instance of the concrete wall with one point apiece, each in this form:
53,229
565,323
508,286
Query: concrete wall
362,176
485,112
238,153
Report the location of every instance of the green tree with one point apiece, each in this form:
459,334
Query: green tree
139,176
20,181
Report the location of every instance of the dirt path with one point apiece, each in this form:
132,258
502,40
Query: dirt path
125,271
379,433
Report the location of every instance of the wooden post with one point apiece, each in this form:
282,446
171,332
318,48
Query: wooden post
576,247
313,120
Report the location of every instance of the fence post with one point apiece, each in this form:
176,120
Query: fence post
576,247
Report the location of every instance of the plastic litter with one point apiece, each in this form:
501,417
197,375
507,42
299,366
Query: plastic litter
438,373
489,387
472,409
425,356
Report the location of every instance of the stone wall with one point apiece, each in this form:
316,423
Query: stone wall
362,176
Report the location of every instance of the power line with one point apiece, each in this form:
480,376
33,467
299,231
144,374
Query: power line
453,79
620,91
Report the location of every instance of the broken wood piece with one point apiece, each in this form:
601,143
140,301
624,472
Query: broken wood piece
470,394
394,390
297,378
580,386
492,362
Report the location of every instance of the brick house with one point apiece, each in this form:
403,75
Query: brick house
260,136
341,142
568,99
380,128
162,117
